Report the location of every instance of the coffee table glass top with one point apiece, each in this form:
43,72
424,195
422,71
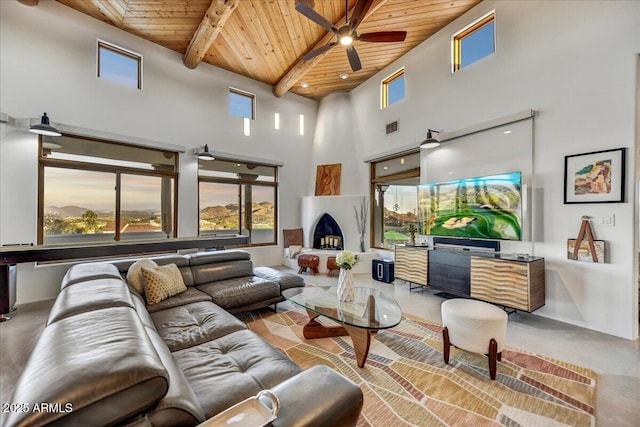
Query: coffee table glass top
370,309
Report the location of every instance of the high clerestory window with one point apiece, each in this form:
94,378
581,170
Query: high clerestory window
474,42
119,65
393,88
243,104
92,190
238,197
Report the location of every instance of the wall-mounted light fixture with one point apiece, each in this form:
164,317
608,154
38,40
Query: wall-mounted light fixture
204,154
44,128
430,142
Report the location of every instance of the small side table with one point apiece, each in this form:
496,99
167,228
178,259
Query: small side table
308,261
332,266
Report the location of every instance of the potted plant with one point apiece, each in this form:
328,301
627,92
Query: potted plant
412,229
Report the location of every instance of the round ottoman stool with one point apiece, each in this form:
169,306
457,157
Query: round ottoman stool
474,326
308,261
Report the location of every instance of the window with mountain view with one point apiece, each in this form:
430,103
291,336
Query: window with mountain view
238,198
394,194
101,191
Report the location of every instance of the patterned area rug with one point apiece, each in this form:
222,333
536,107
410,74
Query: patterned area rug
406,382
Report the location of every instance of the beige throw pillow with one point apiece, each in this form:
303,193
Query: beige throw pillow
134,274
294,251
162,282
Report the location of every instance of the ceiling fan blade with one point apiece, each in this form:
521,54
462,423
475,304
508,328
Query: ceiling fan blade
354,59
359,12
383,36
315,52
307,11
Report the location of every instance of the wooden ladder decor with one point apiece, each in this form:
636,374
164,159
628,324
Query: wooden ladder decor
585,231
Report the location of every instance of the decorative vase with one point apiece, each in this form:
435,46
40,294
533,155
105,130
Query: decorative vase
346,287
362,243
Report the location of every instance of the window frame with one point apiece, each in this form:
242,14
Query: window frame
458,37
44,162
387,179
241,182
244,93
384,88
121,51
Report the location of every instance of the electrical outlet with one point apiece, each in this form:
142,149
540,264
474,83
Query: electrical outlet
606,220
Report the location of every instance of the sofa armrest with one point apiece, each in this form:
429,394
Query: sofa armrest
318,396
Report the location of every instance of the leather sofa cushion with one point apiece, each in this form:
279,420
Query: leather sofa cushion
88,271
241,291
101,362
286,280
207,273
180,406
94,294
192,324
201,258
232,368
189,296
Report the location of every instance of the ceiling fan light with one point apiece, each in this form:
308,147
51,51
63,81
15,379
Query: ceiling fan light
346,40
44,128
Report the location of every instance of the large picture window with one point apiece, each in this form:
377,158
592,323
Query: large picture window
394,199
238,198
100,191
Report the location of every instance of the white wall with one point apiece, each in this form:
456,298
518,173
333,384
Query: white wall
575,63
48,63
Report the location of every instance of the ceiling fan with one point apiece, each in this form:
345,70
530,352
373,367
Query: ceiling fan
347,34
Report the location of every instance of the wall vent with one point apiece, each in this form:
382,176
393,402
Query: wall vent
392,127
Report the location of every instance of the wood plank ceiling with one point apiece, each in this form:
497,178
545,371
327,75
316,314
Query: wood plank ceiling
264,39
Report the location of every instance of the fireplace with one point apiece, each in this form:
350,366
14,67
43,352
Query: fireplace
327,234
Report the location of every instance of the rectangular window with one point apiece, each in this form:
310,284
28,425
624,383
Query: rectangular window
100,191
119,65
238,198
276,121
242,104
393,88
394,195
474,42
301,124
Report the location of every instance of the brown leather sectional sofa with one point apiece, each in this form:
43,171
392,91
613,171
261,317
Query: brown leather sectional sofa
105,358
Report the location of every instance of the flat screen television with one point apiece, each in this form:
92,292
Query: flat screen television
486,207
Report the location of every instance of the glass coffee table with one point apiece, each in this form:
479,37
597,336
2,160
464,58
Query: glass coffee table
370,311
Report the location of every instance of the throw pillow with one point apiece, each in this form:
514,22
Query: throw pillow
292,237
134,275
162,282
294,251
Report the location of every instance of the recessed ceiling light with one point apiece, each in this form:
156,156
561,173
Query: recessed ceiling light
304,85
344,76
386,167
402,161
507,132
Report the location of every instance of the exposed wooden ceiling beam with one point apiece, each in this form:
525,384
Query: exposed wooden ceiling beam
29,2
301,67
208,30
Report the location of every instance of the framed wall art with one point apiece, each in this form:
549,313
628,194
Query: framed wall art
596,177
328,180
